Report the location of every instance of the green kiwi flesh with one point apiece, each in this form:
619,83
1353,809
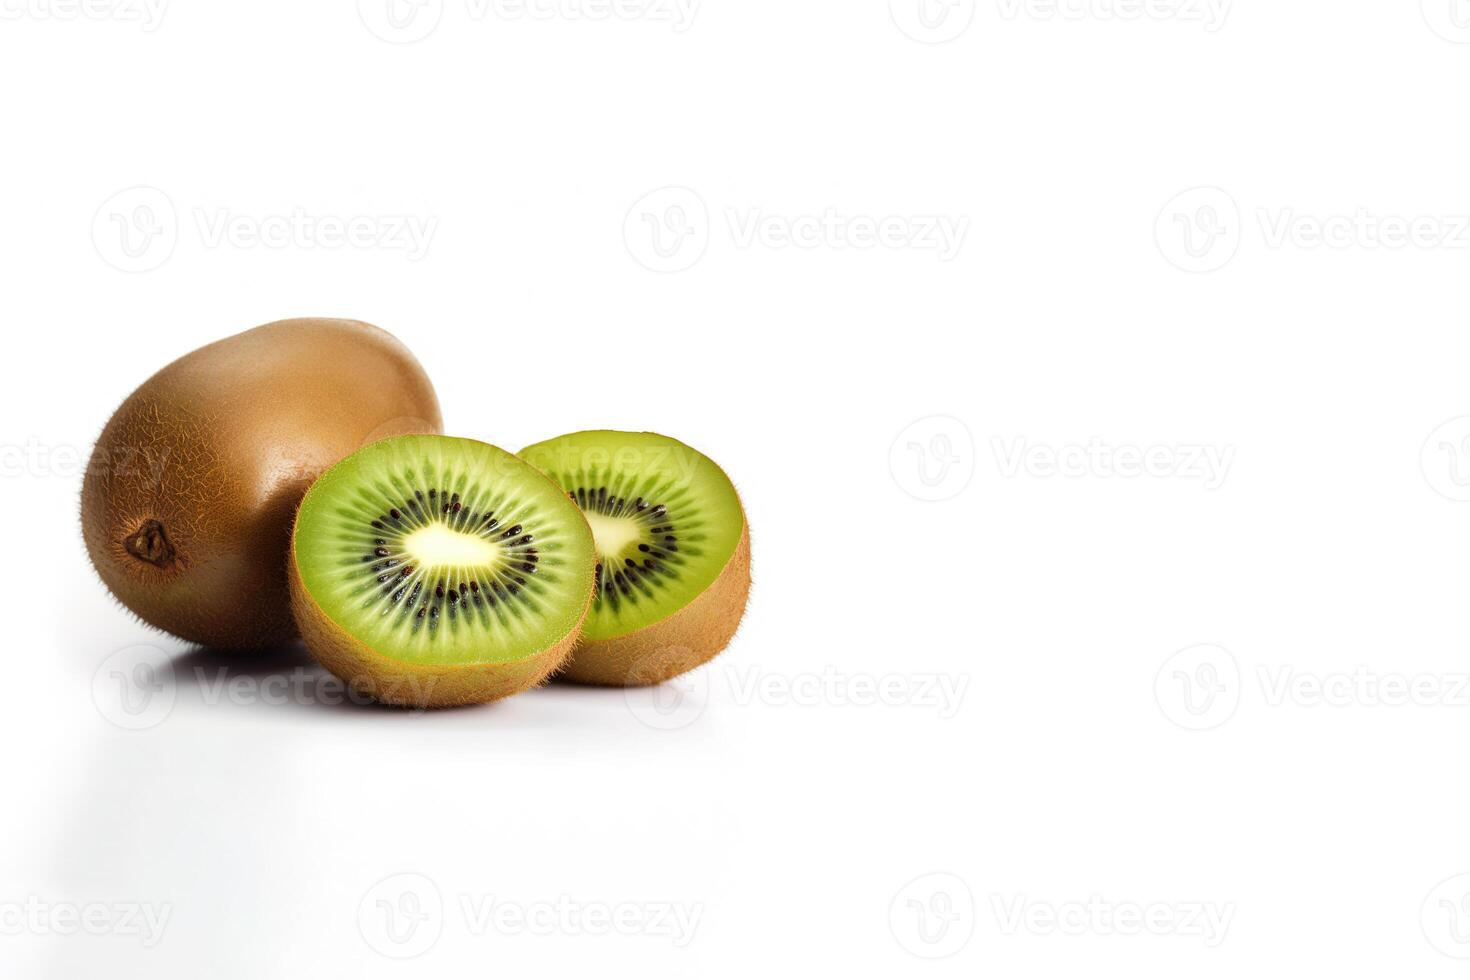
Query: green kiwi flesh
431,570
673,552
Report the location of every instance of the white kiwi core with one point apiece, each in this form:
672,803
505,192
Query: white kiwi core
438,546
612,535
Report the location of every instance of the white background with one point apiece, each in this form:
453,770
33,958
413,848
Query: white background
947,722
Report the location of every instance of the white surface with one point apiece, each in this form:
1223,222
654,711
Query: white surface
1028,746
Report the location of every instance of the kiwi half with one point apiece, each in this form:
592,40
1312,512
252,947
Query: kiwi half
673,553
432,571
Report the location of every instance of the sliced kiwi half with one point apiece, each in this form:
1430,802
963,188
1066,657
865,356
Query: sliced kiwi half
431,571
673,553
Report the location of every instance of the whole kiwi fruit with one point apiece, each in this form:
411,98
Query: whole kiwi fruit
190,493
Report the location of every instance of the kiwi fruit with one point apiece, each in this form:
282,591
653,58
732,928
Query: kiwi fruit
190,492
673,553
433,571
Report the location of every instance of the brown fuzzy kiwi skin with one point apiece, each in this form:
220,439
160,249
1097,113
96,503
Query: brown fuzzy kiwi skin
678,643
190,493
408,685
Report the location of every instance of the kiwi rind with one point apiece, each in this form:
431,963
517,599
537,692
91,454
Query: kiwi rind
682,641
687,636
190,493
488,674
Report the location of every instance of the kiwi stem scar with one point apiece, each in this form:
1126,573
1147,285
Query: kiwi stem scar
150,544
